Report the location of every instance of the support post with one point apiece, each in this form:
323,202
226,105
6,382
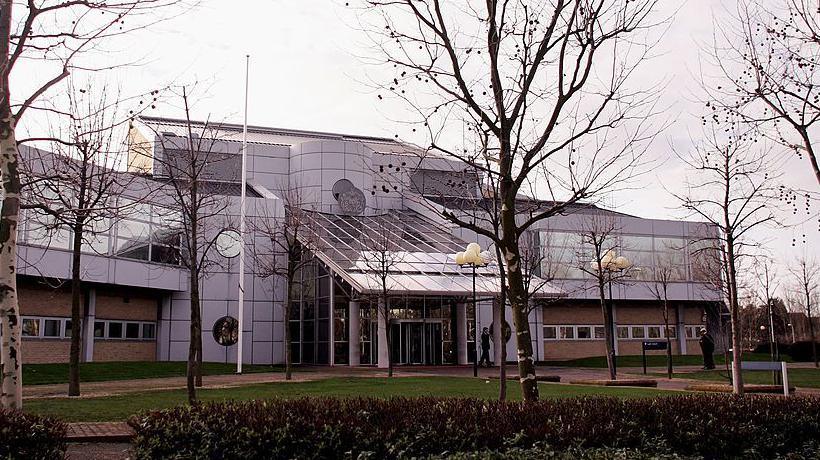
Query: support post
785,373
461,331
354,339
88,327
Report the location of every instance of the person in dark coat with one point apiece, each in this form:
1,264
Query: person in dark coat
485,348
707,347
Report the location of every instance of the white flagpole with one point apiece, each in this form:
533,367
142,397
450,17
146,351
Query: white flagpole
241,302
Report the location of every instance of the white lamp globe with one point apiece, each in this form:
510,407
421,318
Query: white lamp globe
474,248
621,263
471,257
460,258
608,257
486,257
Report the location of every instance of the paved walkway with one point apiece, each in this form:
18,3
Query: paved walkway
567,374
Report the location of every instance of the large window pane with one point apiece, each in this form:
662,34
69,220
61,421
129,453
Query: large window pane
51,327
149,331
584,332
132,331
114,330
549,332
31,327
566,332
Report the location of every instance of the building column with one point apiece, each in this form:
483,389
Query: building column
461,332
681,327
331,342
382,336
354,338
88,326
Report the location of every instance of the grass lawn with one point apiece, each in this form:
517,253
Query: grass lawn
653,360
798,377
40,374
120,407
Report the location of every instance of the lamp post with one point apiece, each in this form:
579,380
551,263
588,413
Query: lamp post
792,327
472,257
611,263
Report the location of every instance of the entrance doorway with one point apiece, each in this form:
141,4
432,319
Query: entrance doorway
417,342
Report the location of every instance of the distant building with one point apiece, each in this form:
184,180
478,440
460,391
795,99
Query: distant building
136,304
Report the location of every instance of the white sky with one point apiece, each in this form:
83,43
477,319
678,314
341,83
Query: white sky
306,73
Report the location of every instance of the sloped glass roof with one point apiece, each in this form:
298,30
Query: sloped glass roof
416,253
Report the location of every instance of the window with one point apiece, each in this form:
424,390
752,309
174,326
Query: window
567,332
654,332
600,332
623,332
67,330
51,327
549,332
99,328
672,332
149,331
638,332
132,331
584,332
114,330
31,327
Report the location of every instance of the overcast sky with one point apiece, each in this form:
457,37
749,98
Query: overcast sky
306,73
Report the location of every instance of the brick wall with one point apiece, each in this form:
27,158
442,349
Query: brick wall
126,306
556,350
125,350
36,351
44,301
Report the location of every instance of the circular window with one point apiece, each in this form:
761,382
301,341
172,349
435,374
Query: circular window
226,331
506,331
228,244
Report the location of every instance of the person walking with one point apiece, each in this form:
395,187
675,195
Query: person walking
485,348
707,347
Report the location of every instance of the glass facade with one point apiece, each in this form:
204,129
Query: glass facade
149,233
564,254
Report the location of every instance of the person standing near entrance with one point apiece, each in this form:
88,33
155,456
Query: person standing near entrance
707,347
485,348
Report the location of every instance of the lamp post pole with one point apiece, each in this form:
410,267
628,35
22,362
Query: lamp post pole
475,327
612,326
473,257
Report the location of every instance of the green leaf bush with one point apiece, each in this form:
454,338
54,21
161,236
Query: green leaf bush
27,436
712,426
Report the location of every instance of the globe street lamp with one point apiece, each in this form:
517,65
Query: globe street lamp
473,257
611,263
792,327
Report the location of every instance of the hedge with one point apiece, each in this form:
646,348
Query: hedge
802,351
27,436
701,425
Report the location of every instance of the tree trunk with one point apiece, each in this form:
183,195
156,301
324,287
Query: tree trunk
10,353
389,332
737,351
517,293
76,298
608,337
195,330
498,337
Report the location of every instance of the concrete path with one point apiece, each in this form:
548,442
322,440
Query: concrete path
304,374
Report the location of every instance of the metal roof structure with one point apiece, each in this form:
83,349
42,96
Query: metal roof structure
416,253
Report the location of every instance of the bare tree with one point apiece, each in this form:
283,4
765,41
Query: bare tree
767,284
53,34
380,255
77,188
546,81
292,242
769,57
731,188
188,166
806,276
663,274
598,258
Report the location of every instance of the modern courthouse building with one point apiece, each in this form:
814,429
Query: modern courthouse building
136,300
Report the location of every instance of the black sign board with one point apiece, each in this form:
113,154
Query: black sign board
656,345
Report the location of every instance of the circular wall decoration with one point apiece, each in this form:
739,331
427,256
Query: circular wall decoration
506,331
351,199
228,244
226,331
